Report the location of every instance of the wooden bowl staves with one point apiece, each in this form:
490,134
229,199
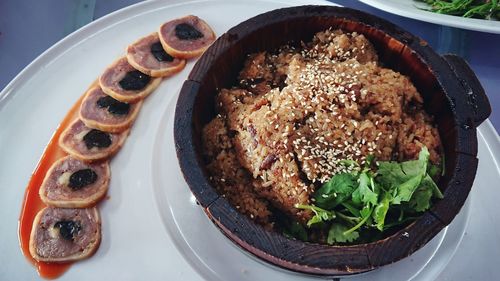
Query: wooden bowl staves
451,93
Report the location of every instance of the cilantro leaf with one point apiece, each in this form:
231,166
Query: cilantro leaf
392,174
337,234
415,167
349,219
381,210
421,199
402,179
349,202
406,189
335,191
351,208
365,213
320,215
363,194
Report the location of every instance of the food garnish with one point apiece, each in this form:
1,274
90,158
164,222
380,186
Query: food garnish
481,9
379,196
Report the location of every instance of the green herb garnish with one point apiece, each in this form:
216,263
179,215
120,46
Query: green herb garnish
335,191
482,9
350,204
320,215
337,234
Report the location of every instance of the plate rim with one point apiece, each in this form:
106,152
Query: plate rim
441,19
75,38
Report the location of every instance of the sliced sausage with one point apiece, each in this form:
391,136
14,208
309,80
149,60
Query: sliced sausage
125,83
103,112
89,144
186,37
72,183
62,235
148,56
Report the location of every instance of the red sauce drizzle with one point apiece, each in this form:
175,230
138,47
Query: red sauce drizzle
33,204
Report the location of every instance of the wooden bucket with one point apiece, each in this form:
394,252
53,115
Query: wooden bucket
451,93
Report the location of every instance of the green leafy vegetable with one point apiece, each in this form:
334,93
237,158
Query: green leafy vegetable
483,9
335,191
350,220
373,198
421,199
381,210
351,209
365,215
405,190
337,234
403,178
320,215
363,194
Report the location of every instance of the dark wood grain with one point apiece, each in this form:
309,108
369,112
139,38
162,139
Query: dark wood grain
209,63
473,92
283,252
450,90
187,144
404,242
458,184
462,138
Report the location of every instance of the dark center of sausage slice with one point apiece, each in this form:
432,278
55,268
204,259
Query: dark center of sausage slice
113,106
134,80
96,138
159,53
82,178
185,31
68,229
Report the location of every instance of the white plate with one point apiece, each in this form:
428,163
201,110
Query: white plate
149,222
410,9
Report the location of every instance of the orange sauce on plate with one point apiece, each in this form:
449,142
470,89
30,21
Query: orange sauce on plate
32,203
